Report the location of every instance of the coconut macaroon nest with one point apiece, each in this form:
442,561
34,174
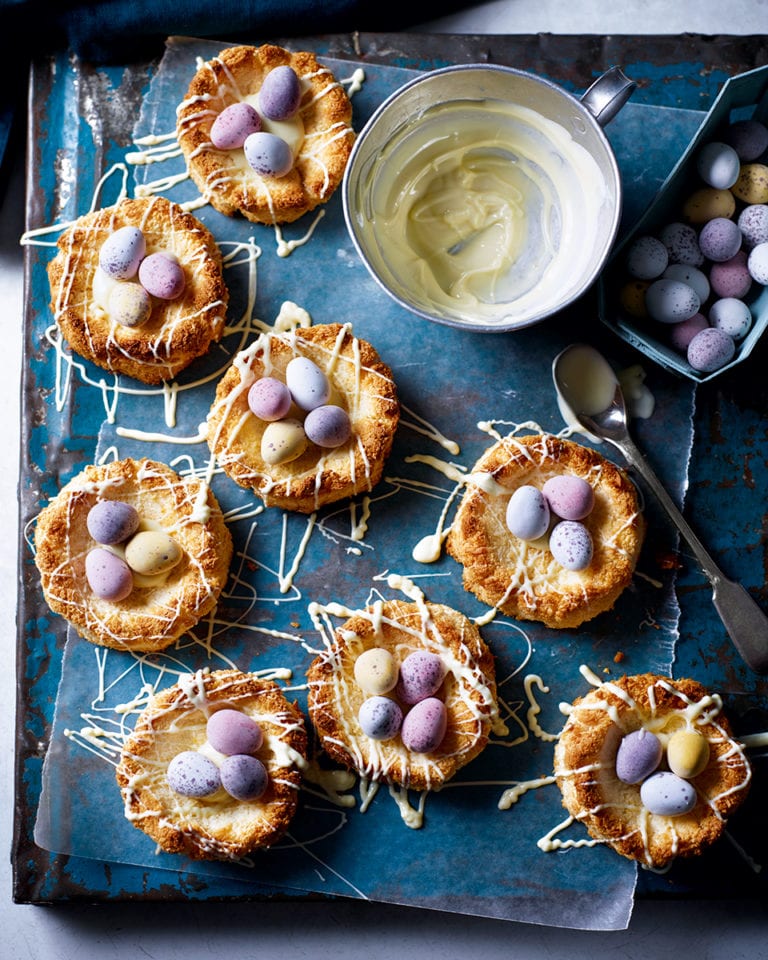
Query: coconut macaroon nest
137,288
559,584
131,554
321,376
649,766
189,783
406,694
265,181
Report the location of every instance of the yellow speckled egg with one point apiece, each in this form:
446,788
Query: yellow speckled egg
706,204
152,552
687,753
632,298
376,671
752,185
283,441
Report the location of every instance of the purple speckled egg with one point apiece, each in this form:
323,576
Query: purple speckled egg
380,718
710,350
757,263
112,521
234,125
161,275
732,316
732,277
720,239
421,674
647,258
424,726
193,775
268,155
753,223
244,777
232,731
682,244
527,514
280,93
122,252
269,399
681,334
328,426
668,795
571,545
696,279
638,756
108,575
670,301
570,497
749,138
308,384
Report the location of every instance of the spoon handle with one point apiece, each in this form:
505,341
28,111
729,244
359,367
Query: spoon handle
744,621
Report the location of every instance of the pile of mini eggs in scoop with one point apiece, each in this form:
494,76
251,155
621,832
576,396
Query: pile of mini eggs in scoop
415,685
306,391
530,511
126,556
695,275
123,260
239,125
225,766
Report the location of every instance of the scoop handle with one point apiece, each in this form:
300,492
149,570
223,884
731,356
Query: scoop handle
608,94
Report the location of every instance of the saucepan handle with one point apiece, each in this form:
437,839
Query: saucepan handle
608,94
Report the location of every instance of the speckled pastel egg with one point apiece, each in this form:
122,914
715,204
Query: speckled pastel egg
234,125
269,399
283,441
707,203
638,756
632,298
667,795
193,775
108,575
752,185
308,384
152,552
681,334
232,731
328,426
244,777
718,165
528,513
380,718
280,93
129,304
268,154
753,223
732,316
682,244
749,138
161,275
757,263
710,350
424,726
732,277
687,753
720,239
647,258
571,545
569,496
695,278
112,521
122,252
421,674
376,671
670,301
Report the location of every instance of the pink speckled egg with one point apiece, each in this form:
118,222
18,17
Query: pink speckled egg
108,575
570,497
681,334
424,726
232,731
269,399
710,350
731,278
161,275
233,125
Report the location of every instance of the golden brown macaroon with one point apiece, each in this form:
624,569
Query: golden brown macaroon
521,578
153,616
361,384
468,691
612,811
217,827
320,130
176,331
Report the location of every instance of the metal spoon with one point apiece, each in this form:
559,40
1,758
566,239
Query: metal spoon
745,622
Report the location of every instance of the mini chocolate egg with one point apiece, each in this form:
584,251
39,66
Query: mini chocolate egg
376,671
234,125
732,316
122,252
152,552
732,277
638,756
108,575
328,426
568,496
670,301
268,155
192,775
112,521
421,675
632,298
687,753
283,441
424,726
667,795
749,138
710,350
695,278
753,223
380,718
682,244
527,513
681,334
718,165
129,304
308,384
757,263
720,239
269,399
706,204
571,545
231,731
162,275
647,258
752,185
244,777
280,93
